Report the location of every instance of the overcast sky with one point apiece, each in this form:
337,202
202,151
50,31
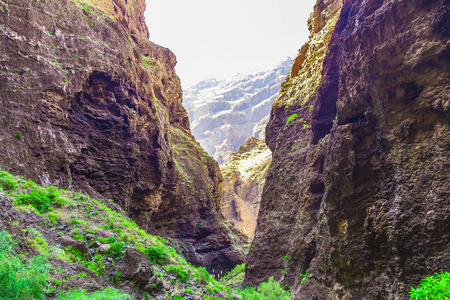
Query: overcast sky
219,38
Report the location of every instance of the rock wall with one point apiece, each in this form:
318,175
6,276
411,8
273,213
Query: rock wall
88,103
225,113
244,175
361,200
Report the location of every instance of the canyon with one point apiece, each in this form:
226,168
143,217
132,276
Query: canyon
345,192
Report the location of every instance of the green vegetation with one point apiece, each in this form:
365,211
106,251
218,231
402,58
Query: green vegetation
433,287
156,254
81,294
270,290
290,118
20,278
304,277
83,215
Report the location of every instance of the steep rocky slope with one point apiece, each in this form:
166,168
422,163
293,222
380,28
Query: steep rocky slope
357,195
88,103
244,175
224,114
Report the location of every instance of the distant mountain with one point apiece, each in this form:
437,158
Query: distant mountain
225,113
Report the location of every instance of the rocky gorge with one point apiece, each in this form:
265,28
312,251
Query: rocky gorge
356,201
106,194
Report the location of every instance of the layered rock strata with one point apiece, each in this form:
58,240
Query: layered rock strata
88,103
225,113
357,195
244,175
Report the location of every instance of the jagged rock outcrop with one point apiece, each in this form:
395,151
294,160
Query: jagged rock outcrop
244,175
224,114
362,199
88,103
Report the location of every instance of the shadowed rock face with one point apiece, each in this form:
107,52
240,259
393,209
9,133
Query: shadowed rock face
224,114
88,103
243,179
362,202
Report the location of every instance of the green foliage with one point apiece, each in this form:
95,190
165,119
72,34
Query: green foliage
40,198
270,290
202,276
81,294
304,277
433,287
7,181
286,257
157,255
20,279
19,136
178,297
178,271
290,118
116,249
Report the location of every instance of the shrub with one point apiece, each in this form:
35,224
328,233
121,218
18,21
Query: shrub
7,181
116,249
106,294
178,271
202,276
39,198
433,287
156,254
270,290
20,279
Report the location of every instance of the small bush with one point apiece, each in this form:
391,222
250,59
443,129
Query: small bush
39,198
157,255
202,276
270,290
116,249
7,181
178,271
433,287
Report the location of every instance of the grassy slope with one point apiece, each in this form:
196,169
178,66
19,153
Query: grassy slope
44,215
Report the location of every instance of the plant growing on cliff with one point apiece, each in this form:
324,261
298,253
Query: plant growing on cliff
290,118
433,287
303,277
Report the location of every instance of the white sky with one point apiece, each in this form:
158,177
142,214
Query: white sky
219,38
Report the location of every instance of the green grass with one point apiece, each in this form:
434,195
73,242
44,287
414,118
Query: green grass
39,198
7,181
270,290
20,278
433,287
178,271
81,294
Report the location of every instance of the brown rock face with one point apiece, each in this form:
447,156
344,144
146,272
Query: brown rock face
244,176
362,202
88,103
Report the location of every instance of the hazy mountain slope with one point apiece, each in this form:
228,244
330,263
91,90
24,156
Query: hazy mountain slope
244,176
224,114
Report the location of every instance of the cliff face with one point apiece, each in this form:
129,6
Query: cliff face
224,114
357,192
244,175
88,103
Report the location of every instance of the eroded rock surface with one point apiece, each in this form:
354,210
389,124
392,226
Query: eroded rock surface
225,113
244,175
88,103
362,200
